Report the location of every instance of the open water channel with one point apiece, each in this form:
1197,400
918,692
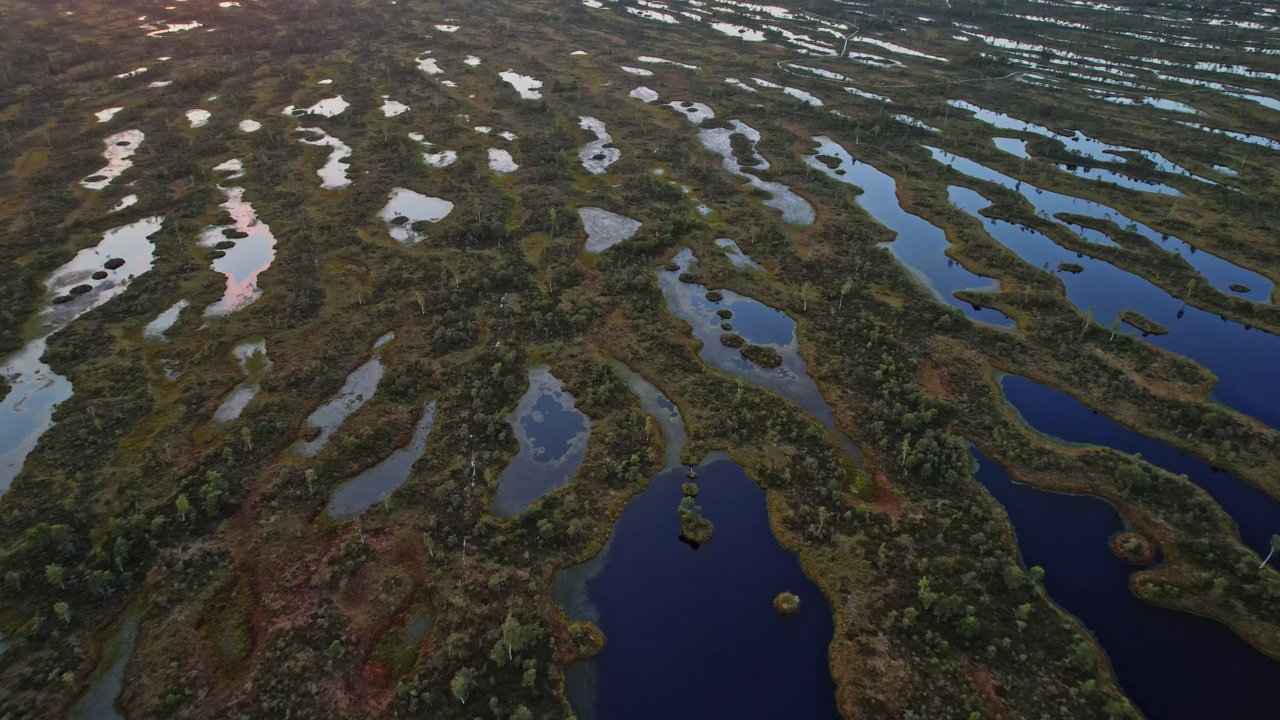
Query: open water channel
1171,664
1244,359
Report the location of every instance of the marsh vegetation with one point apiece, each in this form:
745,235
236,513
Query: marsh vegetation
473,311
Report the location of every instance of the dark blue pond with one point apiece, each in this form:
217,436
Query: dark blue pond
1048,411
666,405
756,322
1247,362
1173,665
692,634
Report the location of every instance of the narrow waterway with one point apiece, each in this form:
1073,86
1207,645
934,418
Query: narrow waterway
1242,358
920,246
1056,414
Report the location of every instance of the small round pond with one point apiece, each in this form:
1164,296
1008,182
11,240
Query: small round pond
553,440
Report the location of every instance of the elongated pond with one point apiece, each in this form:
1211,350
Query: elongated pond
333,174
693,633
552,434
93,277
1243,359
241,250
355,392
378,482
1086,147
1173,665
1257,514
118,151
795,209
1220,273
157,330
597,155
920,246
737,257
99,700
251,356
663,411
754,322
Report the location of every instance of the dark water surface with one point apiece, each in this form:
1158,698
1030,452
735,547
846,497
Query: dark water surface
1246,361
1048,411
1173,665
1219,272
692,634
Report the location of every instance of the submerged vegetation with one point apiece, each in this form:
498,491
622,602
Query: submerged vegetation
181,515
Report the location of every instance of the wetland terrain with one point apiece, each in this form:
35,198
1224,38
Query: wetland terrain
610,359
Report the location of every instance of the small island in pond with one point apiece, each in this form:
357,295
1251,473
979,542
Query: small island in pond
787,603
694,529
1144,324
762,355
